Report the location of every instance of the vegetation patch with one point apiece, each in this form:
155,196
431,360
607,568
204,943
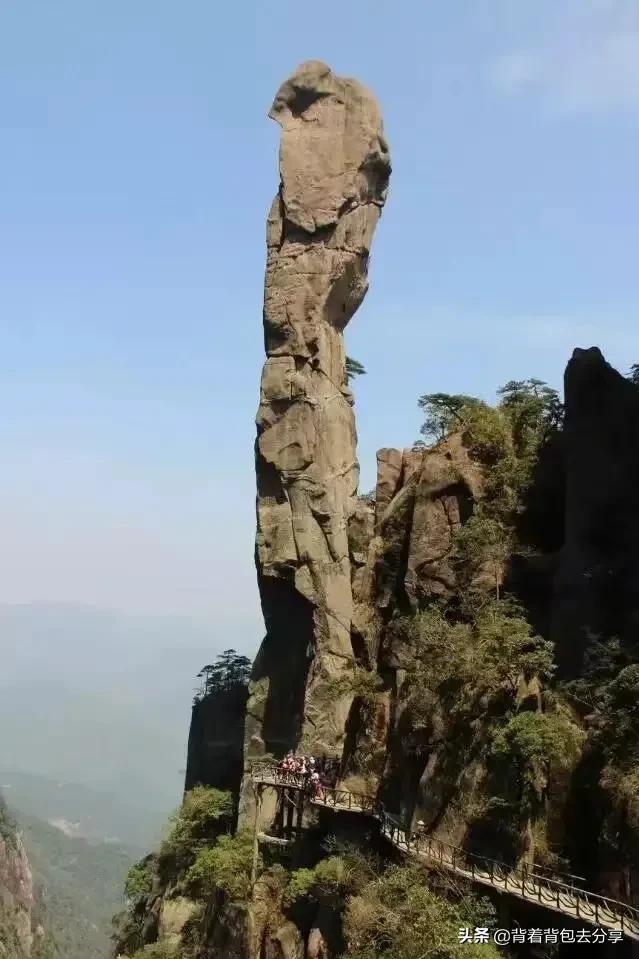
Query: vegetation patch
225,867
204,814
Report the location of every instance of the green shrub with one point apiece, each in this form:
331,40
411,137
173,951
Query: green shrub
157,950
534,411
444,412
361,682
622,694
530,745
537,737
301,884
139,880
481,545
224,867
8,827
459,664
622,787
340,874
506,647
506,438
487,434
204,813
274,882
397,916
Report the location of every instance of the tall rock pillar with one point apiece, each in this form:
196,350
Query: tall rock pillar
334,169
597,581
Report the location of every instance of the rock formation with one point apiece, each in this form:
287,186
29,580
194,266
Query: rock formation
401,549
334,168
401,542
18,928
433,494
216,741
597,583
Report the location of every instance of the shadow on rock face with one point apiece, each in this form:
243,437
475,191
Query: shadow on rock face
597,582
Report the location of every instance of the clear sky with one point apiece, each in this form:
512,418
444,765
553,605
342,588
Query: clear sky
137,165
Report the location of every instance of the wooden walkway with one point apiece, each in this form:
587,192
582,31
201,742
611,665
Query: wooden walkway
554,892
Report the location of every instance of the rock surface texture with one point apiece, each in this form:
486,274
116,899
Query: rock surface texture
423,496
334,169
17,901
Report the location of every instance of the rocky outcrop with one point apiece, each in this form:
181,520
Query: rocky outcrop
286,942
18,928
334,168
402,548
596,590
216,740
434,493
174,916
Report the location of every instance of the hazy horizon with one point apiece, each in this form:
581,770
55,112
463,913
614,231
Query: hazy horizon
100,699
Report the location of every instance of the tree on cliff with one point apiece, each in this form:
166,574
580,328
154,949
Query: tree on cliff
532,408
444,412
529,747
633,375
466,666
230,671
353,368
534,411
481,548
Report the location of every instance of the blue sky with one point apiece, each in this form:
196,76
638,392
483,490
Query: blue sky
137,166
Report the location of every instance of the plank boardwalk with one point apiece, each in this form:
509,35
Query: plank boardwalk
555,892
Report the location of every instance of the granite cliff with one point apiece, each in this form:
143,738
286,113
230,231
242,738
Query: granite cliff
21,933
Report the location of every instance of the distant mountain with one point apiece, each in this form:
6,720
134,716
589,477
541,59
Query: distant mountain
100,700
80,811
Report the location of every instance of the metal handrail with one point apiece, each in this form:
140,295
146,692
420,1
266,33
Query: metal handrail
327,796
565,897
548,890
262,772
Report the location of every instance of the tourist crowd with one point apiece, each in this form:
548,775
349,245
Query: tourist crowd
320,774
